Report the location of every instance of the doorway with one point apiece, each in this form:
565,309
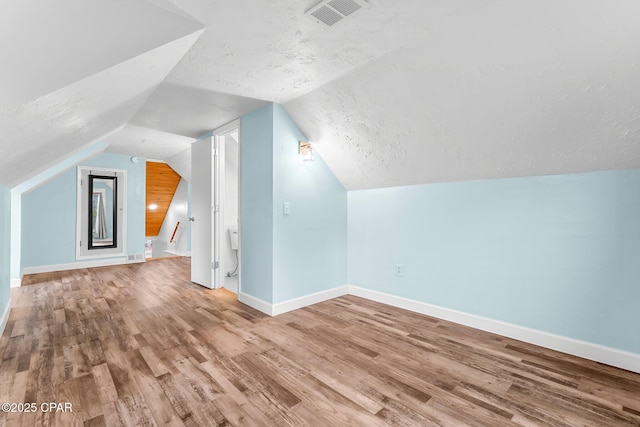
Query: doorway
166,204
215,229
230,244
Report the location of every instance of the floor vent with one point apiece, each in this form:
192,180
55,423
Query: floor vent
135,257
331,12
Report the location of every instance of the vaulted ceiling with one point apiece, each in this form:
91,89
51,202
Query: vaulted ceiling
401,92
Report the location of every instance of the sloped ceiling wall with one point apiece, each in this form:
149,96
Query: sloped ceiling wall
181,163
73,71
500,89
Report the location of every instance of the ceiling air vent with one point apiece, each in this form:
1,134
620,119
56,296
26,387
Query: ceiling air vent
333,11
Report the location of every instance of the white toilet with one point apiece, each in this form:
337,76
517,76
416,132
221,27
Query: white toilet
233,237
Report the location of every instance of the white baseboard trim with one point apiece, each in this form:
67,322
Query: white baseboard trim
176,253
599,353
257,303
296,303
5,316
16,283
292,304
77,265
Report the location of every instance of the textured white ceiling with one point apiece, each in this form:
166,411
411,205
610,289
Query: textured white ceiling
47,45
271,50
512,89
402,92
146,142
192,112
45,130
72,82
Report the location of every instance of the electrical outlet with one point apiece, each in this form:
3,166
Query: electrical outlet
399,270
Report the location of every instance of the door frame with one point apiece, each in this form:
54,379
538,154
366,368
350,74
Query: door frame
218,197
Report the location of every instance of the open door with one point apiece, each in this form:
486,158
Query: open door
207,192
202,207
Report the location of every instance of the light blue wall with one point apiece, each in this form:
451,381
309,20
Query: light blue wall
49,214
557,253
5,247
256,203
285,257
81,155
310,244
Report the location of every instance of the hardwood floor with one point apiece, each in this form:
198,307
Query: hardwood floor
141,345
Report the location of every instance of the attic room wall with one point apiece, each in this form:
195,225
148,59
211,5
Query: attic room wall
287,256
557,254
256,204
88,152
5,254
310,244
49,214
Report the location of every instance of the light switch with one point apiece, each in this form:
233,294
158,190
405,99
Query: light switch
286,208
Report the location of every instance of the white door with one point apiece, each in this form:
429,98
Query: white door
207,191
201,212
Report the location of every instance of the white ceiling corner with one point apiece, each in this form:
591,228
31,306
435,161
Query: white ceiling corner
173,6
192,112
146,142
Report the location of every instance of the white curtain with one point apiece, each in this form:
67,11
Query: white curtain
101,219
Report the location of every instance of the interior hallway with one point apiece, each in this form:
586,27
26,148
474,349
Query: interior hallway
140,344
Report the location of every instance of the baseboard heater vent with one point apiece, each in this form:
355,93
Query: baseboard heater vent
135,257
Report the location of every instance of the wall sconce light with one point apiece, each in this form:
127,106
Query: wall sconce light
305,150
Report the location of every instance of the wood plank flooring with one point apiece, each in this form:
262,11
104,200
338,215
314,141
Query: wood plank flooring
140,345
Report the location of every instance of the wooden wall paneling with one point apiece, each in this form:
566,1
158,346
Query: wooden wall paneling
162,182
